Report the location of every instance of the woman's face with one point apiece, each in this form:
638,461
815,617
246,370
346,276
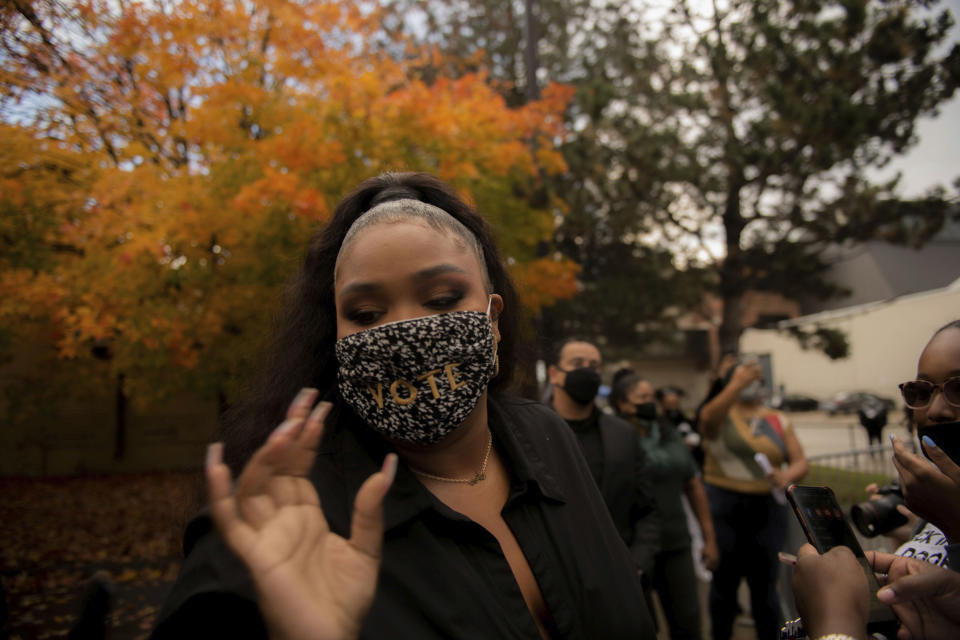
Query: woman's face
638,394
940,360
406,270
670,401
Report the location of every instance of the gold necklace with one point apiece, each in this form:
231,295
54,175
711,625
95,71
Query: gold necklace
477,477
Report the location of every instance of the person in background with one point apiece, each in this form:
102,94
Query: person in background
673,474
932,491
611,448
721,374
873,418
830,588
916,538
750,522
669,400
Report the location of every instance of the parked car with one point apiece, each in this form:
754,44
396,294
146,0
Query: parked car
797,402
851,401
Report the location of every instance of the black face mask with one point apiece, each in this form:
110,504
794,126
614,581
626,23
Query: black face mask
674,415
945,435
646,411
582,385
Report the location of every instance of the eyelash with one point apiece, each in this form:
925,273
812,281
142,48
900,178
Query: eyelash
363,316
438,302
445,300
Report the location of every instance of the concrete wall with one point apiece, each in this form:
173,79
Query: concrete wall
885,338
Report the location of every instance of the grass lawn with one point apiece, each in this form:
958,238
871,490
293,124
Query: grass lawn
847,484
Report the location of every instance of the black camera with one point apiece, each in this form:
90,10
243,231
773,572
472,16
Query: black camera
879,515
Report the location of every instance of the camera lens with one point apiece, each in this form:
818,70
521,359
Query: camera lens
876,517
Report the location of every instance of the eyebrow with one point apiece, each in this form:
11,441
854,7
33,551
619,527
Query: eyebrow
359,287
438,270
950,374
419,276
589,361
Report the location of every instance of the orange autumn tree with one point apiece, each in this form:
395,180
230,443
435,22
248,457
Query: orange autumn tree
165,163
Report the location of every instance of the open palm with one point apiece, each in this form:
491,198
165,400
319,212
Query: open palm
310,582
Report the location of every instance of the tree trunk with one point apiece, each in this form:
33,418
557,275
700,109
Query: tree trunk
532,62
731,271
120,420
731,325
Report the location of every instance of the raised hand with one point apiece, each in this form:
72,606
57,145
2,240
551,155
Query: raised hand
932,492
746,373
925,597
310,582
728,362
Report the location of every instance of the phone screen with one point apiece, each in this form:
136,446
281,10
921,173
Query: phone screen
826,527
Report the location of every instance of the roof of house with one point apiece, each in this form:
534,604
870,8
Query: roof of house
877,270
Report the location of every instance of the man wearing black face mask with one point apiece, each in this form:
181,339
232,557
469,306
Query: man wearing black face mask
610,446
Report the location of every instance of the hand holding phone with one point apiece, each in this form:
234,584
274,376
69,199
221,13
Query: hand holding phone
830,591
826,528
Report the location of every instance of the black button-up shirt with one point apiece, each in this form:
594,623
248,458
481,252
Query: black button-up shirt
444,576
618,463
591,444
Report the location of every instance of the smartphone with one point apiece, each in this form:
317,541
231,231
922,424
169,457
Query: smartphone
824,524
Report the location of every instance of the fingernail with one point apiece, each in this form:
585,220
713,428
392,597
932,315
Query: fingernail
928,442
306,395
214,454
284,427
321,410
892,437
787,558
886,595
390,467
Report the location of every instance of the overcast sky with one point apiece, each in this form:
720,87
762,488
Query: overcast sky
936,157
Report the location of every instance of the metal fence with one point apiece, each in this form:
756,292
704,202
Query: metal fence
849,472
875,459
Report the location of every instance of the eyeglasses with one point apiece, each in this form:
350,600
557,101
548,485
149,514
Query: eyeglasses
917,394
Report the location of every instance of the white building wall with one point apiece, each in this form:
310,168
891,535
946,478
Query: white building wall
885,339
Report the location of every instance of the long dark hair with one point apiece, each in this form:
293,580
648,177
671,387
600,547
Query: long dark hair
624,380
301,351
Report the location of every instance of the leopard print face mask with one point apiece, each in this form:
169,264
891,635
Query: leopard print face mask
417,380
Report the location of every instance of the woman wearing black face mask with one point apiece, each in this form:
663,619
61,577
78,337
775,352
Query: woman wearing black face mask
673,474
416,500
925,598
933,493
